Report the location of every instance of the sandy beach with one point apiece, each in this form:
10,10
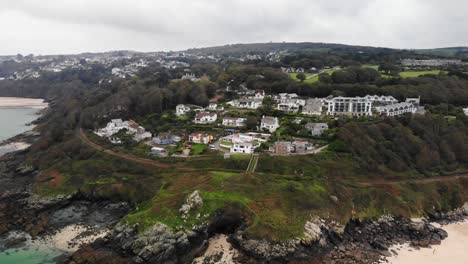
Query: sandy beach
15,102
12,147
218,245
452,250
70,238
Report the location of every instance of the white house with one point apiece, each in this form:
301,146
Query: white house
114,126
243,147
259,94
415,101
158,151
284,97
465,110
354,106
234,121
190,76
269,123
182,110
316,129
215,107
313,107
205,118
247,103
200,138
384,100
291,106
397,109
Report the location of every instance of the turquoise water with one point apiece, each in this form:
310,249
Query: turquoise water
13,121
28,256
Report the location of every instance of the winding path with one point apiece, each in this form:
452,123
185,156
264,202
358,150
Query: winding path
253,164
378,182
147,162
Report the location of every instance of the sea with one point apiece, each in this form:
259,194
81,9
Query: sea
13,121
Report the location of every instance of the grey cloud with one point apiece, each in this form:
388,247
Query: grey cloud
57,26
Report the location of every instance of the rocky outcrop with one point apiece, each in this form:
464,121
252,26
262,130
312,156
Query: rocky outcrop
451,216
158,244
193,202
319,236
358,242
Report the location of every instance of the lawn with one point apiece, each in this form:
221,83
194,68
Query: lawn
412,74
198,149
405,74
310,79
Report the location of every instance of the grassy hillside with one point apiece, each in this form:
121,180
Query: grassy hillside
373,168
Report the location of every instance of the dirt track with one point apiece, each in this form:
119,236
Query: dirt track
161,165
143,161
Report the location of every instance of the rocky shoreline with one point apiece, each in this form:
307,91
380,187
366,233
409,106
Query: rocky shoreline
358,242
67,221
323,242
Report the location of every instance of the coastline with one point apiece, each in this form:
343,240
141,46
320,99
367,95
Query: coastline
22,140
451,250
17,102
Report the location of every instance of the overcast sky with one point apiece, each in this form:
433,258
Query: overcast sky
73,26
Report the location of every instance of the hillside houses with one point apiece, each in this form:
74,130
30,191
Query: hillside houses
190,76
246,103
243,148
215,107
205,118
294,147
383,100
245,143
259,94
182,110
200,138
313,107
166,139
353,106
397,109
269,123
293,70
116,125
289,102
234,121
316,129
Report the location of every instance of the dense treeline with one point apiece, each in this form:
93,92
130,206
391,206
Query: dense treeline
409,143
354,81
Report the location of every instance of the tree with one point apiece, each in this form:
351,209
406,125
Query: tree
390,69
325,78
251,122
301,76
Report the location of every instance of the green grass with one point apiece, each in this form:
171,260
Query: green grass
218,177
412,74
276,200
314,79
198,149
404,74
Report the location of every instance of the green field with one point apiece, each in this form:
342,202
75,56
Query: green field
198,149
309,79
412,74
404,74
